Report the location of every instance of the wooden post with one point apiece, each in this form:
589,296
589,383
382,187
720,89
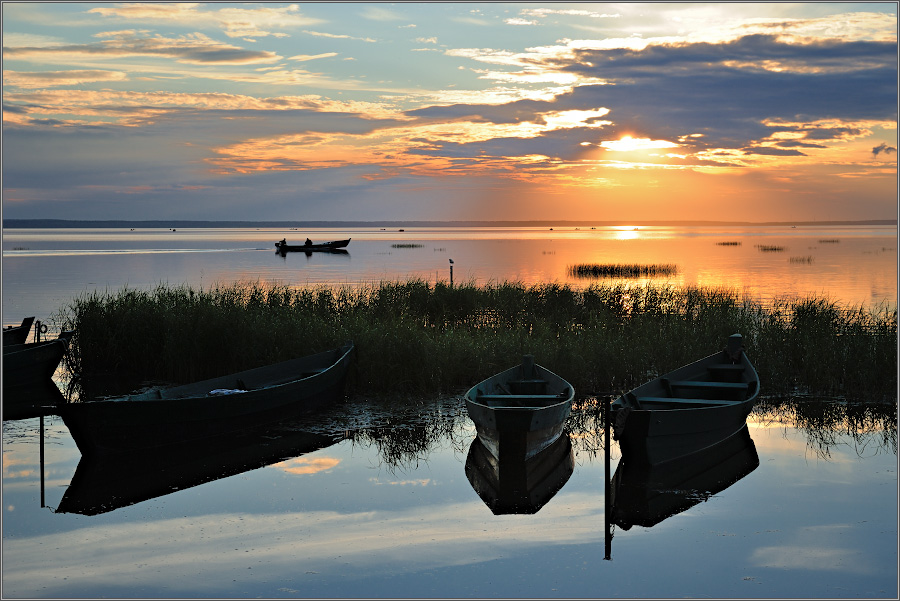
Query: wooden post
451,273
42,460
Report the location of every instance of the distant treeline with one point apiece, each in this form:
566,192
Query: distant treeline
180,223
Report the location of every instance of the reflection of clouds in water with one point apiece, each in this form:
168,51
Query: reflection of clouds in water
212,549
817,548
307,465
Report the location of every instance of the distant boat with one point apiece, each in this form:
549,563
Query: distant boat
210,408
33,363
521,411
17,334
521,486
688,409
336,246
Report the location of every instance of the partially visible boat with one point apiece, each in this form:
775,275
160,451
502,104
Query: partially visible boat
108,482
521,411
645,495
519,486
335,246
688,409
33,363
210,408
17,334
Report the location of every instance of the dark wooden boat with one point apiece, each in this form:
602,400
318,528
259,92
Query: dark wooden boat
645,495
521,411
336,246
519,486
17,334
108,482
33,363
689,409
210,408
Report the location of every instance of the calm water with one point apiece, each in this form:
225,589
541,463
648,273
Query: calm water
375,502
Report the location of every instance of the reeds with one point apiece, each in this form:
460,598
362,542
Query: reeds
410,245
807,259
728,243
769,248
594,270
418,338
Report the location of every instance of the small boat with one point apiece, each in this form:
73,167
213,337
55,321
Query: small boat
17,334
688,409
33,363
645,495
108,482
211,408
521,411
522,486
335,246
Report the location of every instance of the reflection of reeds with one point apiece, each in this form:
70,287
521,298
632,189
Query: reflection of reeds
769,248
829,422
728,243
806,259
595,270
419,338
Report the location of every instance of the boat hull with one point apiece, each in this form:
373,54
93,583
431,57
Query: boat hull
34,363
18,334
669,431
188,413
336,246
522,425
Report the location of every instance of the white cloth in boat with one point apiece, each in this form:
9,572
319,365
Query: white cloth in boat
219,391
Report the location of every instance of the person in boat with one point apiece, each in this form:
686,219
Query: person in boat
283,242
308,242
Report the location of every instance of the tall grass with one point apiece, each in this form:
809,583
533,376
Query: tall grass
419,338
596,270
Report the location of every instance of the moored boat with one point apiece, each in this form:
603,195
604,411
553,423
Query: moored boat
210,408
33,363
17,334
335,246
521,411
688,409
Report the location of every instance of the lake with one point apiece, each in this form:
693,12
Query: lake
375,499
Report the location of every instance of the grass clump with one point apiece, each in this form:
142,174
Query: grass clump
594,270
769,248
418,338
807,259
728,243
407,245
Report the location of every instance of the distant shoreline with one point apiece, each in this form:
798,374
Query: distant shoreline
176,223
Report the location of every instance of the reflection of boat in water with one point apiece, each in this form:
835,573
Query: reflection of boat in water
644,494
336,246
33,363
521,411
209,408
105,483
519,486
17,334
689,409
23,402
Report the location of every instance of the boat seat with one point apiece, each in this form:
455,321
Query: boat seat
670,400
520,397
705,385
726,367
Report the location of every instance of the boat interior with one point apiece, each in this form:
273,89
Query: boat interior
722,384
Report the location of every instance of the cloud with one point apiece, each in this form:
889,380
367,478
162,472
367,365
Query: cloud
194,48
235,22
883,148
49,79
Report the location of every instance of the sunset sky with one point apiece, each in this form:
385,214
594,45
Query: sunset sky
431,111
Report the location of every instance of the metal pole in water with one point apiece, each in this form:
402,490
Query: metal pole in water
42,460
607,539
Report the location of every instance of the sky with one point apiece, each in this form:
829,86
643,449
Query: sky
452,110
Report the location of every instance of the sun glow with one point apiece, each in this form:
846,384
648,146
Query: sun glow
628,144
